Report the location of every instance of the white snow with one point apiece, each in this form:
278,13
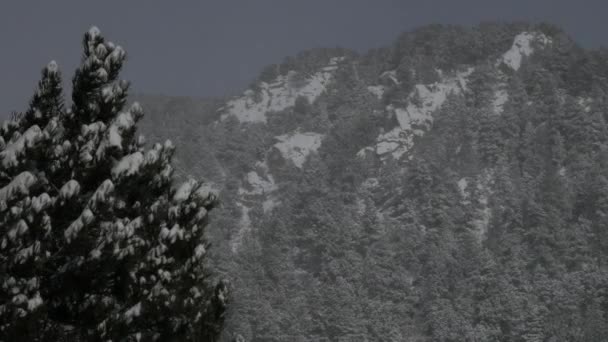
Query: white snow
34,302
69,190
199,251
585,102
16,149
52,67
123,122
258,185
94,31
364,151
133,312
270,204
279,94
40,203
94,128
462,186
370,183
102,193
416,118
500,98
184,191
480,197
522,47
20,185
391,75
206,193
128,165
244,228
297,146
377,90
76,226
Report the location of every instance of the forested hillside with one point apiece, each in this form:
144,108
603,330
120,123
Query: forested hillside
450,187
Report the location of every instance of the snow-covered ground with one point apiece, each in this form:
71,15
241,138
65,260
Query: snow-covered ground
297,146
280,94
523,47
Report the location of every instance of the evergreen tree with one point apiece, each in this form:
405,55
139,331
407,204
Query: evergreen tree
95,242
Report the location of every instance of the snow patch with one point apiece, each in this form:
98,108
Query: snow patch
270,204
280,94
522,47
462,186
244,228
416,118
500,98
377,90
258,185
390,75
297,146
479,196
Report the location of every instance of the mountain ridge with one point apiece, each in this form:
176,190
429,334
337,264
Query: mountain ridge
401,194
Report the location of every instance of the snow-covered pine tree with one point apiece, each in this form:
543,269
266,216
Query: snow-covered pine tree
95,242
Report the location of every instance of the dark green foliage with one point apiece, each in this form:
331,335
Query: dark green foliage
95,242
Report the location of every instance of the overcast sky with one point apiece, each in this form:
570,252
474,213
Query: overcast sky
205,48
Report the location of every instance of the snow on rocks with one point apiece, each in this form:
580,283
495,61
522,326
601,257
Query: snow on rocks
522,47
296,146
416,118
279,94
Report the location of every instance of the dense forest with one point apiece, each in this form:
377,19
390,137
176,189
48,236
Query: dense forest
97,240
450,187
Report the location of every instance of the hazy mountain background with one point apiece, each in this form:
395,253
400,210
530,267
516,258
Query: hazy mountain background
451,186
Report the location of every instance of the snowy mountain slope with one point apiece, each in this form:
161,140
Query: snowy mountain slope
280,94
337,208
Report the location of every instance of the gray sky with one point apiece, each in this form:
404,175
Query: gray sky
206,48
